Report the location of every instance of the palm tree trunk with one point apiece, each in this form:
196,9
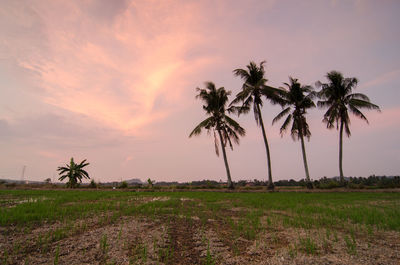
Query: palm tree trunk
303,149
270,182
341,152
228,172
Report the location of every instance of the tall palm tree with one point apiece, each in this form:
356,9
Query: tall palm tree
215,101
73,172
253,89
298,99
337,96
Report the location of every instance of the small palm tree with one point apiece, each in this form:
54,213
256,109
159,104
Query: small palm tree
215,101
73,172
337,96
253,89
298,98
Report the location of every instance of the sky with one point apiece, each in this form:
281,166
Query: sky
114,82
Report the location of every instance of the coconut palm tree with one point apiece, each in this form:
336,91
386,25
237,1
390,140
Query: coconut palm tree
298,99
337,96
73,172
228,130
253,89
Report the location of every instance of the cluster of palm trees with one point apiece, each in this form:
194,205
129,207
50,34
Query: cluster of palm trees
335,95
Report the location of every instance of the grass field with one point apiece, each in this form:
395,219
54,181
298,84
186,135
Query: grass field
116,227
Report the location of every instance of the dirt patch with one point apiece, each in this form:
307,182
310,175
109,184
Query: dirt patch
181,239
124,242
299,246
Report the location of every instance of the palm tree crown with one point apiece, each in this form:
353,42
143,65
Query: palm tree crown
73,172
337,96
298,99
215,101
253,89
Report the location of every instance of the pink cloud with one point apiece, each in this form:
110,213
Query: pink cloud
117,79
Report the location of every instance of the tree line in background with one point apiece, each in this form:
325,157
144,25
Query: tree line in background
372,182
336,96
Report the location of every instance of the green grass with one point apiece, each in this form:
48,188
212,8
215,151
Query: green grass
26,208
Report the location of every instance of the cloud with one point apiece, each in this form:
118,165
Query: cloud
58,131
112,72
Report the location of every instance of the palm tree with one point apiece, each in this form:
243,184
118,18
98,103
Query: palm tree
337,96
215,101
298,98
73,172
253,89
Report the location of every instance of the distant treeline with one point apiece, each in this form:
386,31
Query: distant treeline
379,182
373,181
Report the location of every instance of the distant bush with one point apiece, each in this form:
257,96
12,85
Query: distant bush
351,185
123,185
251,188
11,185
329,185
93,184
181,187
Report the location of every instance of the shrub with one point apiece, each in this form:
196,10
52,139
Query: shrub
93,184
123,185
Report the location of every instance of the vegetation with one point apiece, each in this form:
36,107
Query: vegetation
74,172
150,183
228,130
298,100
372,182
337,96
93,184
316,224
123,185
254,89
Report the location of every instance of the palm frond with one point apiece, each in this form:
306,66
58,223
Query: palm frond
280,115
242,96
363,104
205,123
241,73
275,95
285,124
357,96
358,113
235,125
324,104
330,117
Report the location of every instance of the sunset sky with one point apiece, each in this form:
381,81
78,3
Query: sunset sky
114,82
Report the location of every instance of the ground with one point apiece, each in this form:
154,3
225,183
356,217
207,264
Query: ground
113,227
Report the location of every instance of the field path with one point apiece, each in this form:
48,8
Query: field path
181,234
